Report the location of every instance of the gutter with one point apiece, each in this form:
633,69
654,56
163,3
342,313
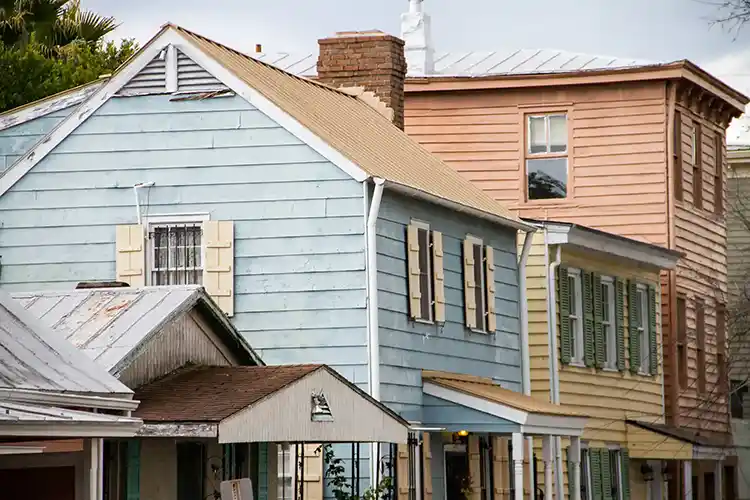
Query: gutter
552,345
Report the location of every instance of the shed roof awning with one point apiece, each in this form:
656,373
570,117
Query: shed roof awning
524,413
657,441
245,404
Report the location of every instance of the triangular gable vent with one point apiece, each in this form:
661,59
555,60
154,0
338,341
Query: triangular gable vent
151,79
193,78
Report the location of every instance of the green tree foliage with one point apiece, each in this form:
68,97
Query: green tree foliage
30,74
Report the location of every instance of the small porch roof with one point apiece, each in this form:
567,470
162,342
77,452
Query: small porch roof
524,413
245,404
657,441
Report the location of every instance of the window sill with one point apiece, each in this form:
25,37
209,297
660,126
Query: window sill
611,369
423,321
481,332
645,374
577,364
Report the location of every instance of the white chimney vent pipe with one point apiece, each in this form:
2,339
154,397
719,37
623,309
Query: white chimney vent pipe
415,31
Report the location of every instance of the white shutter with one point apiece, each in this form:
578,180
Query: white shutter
130,256
218,264
490,289
475,468
402,472
470,305
313,478
426,467
412,257
438,276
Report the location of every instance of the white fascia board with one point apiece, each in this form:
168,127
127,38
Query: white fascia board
57,428
711,453
554,425
66,399
475,403
20,450
48,105
619,247
21,167
274,112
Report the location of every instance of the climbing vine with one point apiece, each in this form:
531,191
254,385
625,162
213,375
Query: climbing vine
342,489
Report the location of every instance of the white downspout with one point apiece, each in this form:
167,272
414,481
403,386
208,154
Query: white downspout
373,334
553,365
524,309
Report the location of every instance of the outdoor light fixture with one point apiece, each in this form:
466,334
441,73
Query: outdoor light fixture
320,412
463,433
647,472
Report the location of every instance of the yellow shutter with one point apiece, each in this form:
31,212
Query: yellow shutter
131,257
489,267
438,276
470,305
499,468
412,246
313,478
426,466
218,266
402,472
475,466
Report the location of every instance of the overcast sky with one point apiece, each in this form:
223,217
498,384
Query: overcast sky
655,30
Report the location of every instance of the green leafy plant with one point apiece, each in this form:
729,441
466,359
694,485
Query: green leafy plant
340,487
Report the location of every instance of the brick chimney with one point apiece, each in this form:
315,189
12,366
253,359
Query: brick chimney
370,59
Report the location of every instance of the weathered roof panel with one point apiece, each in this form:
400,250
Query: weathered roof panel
33,357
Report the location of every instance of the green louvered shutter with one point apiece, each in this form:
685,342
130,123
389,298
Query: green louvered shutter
634,341
606,475
652,330
595,458
625,474
588,319
563,290
133,470
620,324
263,471
599,344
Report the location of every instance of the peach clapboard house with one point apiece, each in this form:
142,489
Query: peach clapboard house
624,146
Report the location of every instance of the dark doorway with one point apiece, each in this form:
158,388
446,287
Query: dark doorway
708,486
456,470
58,483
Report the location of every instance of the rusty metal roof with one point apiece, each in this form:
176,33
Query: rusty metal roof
34,358
478,63
109,323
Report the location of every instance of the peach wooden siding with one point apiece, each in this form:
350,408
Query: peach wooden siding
617,149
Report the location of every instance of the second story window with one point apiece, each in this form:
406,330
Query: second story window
547,157
697,146
425,263
176,254
571,316
608,322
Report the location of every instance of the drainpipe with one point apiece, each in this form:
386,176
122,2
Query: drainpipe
524,309
553,365
373,334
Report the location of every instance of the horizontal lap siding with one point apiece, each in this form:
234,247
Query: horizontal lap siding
17,140
702,273
408,347
298,219
617,152
536,293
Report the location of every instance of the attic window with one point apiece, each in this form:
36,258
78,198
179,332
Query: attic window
547,156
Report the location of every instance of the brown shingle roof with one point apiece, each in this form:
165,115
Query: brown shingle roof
356,130
211,394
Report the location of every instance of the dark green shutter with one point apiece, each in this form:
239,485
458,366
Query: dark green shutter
599,344
565,335
596,473
263,472
620,323
652,330
625,474
634,341
133,470
588,319
606,475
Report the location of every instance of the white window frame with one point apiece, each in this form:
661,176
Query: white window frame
547,134
475,240
587,459
577,332
425,226
643,330
618,468
153,221
610,327
693,143
282,450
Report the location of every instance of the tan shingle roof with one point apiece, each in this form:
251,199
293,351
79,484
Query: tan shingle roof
356,130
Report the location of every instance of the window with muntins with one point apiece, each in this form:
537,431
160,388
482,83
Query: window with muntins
677,155
575,315
176,254
697,143
643,328
547,156
682,358
286,471
700,337
608,315
585,475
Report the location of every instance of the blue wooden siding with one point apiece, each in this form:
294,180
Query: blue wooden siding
407,347
17,140
299,222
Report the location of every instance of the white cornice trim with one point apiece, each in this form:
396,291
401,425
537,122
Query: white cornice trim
67,399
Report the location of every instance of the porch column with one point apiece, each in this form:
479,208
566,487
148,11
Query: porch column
719,480
93,480
574,458
518,465
687,479
547,457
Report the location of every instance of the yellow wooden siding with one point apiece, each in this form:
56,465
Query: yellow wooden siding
645,444
130,261
218,267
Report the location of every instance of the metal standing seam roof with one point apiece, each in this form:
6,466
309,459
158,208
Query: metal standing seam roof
33,357
355,129
479,63
107,324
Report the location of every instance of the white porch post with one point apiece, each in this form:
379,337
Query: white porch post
719,480
93,483
687,479
518,465
574,457
547,456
